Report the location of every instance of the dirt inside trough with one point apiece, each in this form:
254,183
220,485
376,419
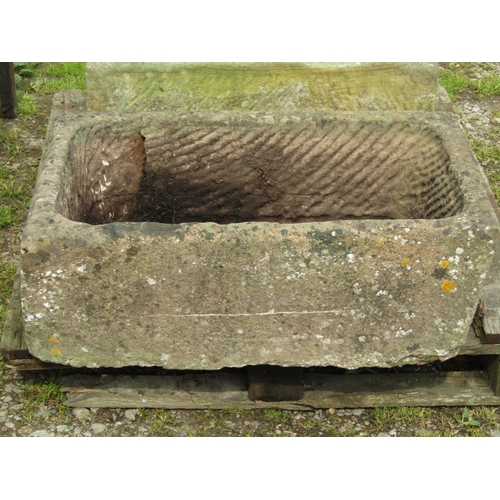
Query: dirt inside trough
211,173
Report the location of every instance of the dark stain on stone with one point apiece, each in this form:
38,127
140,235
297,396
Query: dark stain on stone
132,251
324,240
440,272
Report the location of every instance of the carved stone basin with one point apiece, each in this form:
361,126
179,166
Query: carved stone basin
205,240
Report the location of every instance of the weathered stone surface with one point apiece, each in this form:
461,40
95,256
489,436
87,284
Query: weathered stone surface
209,240
265,87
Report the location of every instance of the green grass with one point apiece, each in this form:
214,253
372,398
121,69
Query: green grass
163,423
46,392
26,105
488,86
457,79
275,415
404,415
10,142
7,273
3,374
57,76
489,156
15,195
454,83
43,79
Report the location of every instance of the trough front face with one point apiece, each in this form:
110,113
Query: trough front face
210,240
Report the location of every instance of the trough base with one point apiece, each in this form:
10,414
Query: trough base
229,390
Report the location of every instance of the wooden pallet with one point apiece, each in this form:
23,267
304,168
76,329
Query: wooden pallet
305,391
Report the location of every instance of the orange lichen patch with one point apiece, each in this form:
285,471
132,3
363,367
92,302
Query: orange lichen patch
405,262
444,264
53,339
56,351
448,286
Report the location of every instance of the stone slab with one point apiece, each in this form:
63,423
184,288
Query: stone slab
221,239
265,87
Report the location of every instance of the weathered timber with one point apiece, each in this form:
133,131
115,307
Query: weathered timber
490,309
489,302
475,346
493,369
274,383
12,337
229,390
30,363
8,98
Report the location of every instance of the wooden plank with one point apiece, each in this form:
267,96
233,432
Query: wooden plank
493,369
274,383
489,301
12,336
8,97
30,363
490,305
474,345
228,390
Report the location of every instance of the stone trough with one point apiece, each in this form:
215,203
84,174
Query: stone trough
205,240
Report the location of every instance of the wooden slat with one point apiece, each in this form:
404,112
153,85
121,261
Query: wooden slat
490,297
229,390
12,337
493,369
490,304
8,97
274,383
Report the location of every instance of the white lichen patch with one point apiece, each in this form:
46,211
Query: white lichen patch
350,258
459,251
300,336
151,281
403,333
51,307
441,352
295,275
362,338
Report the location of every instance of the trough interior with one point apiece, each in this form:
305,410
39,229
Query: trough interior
212,172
